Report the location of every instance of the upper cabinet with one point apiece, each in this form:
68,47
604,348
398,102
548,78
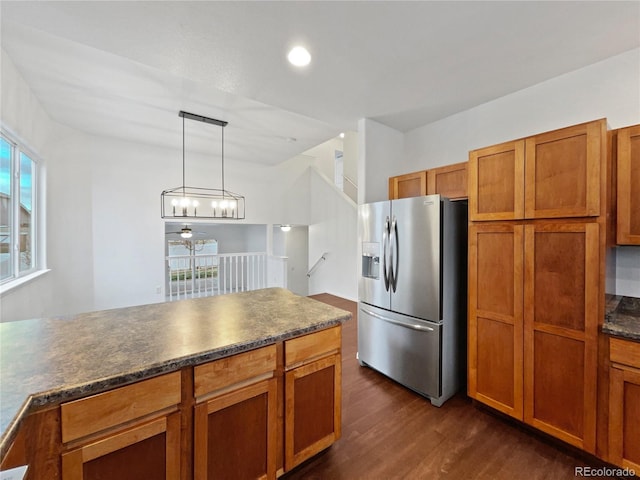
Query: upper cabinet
628,167
408,185
551,175
496,182
449,181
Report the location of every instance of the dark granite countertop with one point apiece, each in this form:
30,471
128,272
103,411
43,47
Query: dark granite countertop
52,360
622,318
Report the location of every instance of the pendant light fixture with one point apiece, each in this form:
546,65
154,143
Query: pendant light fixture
196,202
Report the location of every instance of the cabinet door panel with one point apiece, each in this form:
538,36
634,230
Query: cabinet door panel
559,275
235,434
628,166
624,405
148,450
495,316
409,185
631,414
449,181
562,174
496,182
560,345
558,384
313,414
495,365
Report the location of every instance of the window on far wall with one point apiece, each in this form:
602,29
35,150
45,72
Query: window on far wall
18,210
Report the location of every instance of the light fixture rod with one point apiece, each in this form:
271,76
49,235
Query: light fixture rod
200,118
183,182
222,149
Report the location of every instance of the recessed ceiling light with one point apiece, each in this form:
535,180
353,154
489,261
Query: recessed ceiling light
299,56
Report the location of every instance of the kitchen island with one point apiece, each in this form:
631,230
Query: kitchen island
48,365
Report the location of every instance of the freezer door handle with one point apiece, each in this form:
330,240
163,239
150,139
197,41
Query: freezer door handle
395,255
385,250
414,326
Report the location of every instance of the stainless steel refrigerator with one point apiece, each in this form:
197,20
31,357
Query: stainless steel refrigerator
412,293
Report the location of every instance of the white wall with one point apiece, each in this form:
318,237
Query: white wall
105,237
67,199
628,271
333,229
380,153
606,89
324,155
294,245
350,157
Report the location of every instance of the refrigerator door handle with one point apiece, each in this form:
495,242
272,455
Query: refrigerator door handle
395,255
385,249
414,326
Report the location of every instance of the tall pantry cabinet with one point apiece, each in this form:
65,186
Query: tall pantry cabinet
536,277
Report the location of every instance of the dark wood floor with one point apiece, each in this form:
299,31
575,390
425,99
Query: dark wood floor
389,432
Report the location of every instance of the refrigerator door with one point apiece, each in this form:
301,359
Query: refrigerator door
373,233
415,257
404,348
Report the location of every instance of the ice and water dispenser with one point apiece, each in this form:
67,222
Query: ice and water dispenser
371,260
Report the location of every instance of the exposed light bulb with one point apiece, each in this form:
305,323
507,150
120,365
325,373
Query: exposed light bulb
299,56
342,135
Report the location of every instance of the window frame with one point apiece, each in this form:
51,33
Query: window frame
17,276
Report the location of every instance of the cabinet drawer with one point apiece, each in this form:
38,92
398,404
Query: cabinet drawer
228,371
314,345
625,352
106,410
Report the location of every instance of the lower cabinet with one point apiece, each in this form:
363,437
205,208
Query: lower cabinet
253,415
313,394
238,425
235,417
145,450
624,403
128,433
533,324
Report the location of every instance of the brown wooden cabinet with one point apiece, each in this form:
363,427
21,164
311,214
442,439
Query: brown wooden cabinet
628,185
624,403
236,417
495,332
236,423
496,182
533,324
449,181
551,175
131,432
408,185
37,444
312,394
561,290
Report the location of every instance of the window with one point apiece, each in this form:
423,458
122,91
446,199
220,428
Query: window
18,210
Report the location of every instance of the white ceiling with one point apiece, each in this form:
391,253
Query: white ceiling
125,69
